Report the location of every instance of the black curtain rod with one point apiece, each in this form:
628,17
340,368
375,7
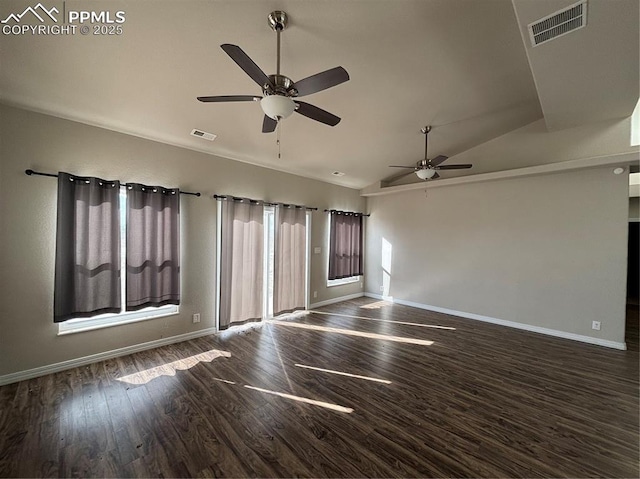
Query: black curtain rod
340,212
236,198
31,172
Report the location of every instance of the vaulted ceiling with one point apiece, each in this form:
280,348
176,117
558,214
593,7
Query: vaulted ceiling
465,67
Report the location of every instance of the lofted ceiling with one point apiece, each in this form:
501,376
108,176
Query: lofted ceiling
463,66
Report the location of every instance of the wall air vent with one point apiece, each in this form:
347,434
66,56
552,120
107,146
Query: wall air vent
203,134
557,24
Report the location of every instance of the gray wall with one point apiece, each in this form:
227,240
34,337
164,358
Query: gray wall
28,215
547,251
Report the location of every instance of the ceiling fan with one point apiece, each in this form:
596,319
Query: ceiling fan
427,169
278,90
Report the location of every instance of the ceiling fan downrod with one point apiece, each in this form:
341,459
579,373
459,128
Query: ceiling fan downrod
278,22
278,90
425,130
426,169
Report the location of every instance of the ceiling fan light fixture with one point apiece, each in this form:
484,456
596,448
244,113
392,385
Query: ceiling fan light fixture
278,89
277,107
425,173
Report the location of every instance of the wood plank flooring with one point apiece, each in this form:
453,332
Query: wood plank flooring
419,394
632,327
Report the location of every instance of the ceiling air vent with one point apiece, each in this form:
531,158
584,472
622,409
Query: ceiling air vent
203,134
557,24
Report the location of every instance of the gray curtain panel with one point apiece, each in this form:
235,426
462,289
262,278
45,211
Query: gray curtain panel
153,246
345,245
289,276
87,271
241,262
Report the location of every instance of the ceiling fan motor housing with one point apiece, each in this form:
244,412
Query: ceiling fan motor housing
278,90
280,85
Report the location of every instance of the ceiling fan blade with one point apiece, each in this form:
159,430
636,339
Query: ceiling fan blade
437,160
247,64
318,114
436,175
453,167
321,81
397,166
268,124
224,98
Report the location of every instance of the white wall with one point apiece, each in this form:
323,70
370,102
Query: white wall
28,337
547,251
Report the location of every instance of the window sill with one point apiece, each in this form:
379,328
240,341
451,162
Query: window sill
343,281
110,320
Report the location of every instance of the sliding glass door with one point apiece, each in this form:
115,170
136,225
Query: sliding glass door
283,273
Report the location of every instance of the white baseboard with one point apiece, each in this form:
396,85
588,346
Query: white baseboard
336,300
93,358
114,353
503,322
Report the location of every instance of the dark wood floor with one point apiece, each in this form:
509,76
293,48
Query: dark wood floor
632,327
451,397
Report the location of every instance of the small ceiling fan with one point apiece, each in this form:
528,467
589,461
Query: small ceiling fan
427,169
278,90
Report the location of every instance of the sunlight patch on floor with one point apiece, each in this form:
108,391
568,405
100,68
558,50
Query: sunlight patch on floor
284,370
169,369
226,381
235,329
313,402
406,323
341,373
376,305
349,332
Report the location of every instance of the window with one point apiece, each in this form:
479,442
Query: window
345,248
76,325
264,246
270,259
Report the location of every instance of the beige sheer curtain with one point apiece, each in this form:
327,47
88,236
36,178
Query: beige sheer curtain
241,262
289,259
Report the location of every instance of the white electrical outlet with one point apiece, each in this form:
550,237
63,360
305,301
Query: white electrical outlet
317,250
382,288
315,294
595,325
196,318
